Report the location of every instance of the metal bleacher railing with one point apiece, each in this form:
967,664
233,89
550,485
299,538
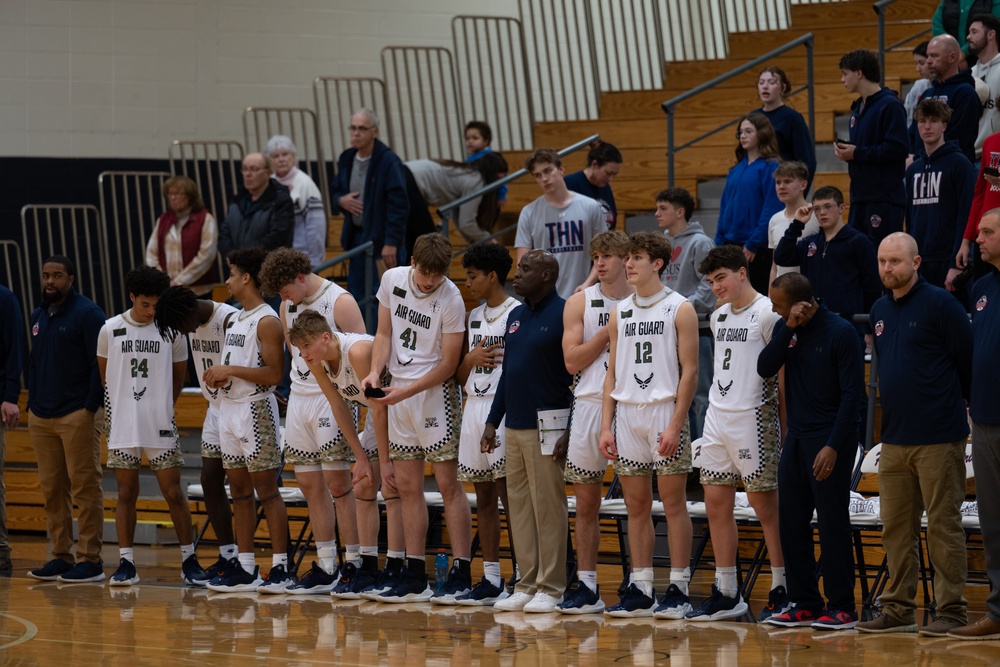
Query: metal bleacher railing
880,9
74,231
131,202
14,277
670,106
336,98
367,304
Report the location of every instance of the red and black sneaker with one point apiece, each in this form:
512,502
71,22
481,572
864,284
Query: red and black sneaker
836,620
794,618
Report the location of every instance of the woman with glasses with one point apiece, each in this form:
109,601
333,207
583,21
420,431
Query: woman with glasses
749,198
184,243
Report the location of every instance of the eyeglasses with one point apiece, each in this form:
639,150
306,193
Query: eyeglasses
358,128
253,170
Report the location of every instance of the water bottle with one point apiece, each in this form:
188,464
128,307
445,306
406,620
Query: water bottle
440,569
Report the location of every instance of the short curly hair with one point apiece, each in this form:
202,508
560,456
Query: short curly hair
146,281
489,257
248,261
281,268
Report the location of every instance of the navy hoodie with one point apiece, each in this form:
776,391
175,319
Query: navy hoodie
924,345
959,93
794,140
878,133
984,408
939,191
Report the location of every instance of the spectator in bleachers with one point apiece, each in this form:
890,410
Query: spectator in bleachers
749,198
185,241
309,233
370,191
791,182
11,362
985,197
920,85
877,148
984,33
953,17
794,139
939,188
838,260
262,213
64,393
984,412
674,208
965,63
924,343
956,88
478,137
604,162
439,182
824,372
560,222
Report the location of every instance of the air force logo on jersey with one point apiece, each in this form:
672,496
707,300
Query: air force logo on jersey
514,326
879,327
981,304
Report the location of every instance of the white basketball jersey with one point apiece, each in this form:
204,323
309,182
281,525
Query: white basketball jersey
647,369
346,380
596,313
739,339
491,327
206,343
322,302
243,349
418,321
138,397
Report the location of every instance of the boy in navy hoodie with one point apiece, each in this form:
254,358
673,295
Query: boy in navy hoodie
876,152
939,188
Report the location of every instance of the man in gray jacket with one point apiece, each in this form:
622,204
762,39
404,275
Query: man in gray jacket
674,207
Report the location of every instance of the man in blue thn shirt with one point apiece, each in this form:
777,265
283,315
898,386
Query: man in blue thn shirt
64,392
821,355
534,379
923,340
984,409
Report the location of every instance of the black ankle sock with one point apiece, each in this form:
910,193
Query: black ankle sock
416,566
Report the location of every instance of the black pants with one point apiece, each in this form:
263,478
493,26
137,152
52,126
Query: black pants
798,495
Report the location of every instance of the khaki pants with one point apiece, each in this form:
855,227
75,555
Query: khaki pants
69,472
910,478
537,512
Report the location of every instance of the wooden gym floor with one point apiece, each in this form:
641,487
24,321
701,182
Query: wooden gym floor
159,621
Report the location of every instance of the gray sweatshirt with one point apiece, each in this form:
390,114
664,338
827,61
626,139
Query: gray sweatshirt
681,275
441,185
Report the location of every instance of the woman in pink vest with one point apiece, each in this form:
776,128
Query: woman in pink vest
184,243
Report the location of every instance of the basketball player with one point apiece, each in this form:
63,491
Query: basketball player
314,444
585,349
421,322
339,361
179,311
652,375
742,434
486,266
252,366
143,378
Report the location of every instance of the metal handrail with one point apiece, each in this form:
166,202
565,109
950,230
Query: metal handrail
669,106
368,302
452,205
879,8
491,237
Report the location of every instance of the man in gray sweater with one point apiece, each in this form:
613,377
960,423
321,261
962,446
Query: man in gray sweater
674,207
